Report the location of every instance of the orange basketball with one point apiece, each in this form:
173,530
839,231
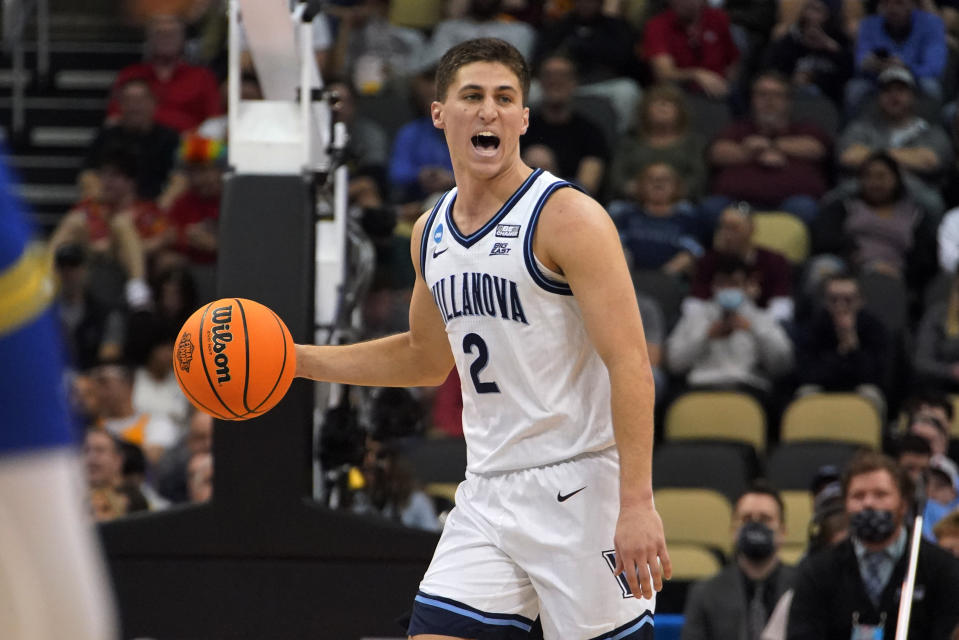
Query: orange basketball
234,359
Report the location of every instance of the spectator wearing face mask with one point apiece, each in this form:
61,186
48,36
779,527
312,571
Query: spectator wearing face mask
728,342
942,493
851,590
736,602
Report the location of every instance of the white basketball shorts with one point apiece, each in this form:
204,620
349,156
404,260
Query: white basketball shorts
533,542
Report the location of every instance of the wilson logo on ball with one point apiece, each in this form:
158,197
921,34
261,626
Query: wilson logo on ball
221,336
184,352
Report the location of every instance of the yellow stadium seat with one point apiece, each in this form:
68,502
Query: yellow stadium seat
799,511
692,561
782,232
792,553
954,431
717,415
445,490
833,417
696,516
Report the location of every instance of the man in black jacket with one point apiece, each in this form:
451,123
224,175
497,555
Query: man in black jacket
853,589
736,603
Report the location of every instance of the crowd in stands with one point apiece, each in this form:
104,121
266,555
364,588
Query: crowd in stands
695,123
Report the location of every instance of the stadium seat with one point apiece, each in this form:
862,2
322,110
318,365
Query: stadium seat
887,298
954,429
817,110
791,554
707,465
782,232
799,511
792,466
707,116
692,561
438,460
717,415
832,417
696,516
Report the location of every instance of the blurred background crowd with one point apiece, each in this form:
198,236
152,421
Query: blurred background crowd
783,174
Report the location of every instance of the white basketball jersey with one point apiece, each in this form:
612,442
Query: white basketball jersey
535,391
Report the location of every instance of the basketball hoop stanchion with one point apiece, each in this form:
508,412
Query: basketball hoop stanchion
909,584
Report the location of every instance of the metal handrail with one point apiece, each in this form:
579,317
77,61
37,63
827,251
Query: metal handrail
16,15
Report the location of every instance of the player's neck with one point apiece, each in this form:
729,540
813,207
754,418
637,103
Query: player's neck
478,198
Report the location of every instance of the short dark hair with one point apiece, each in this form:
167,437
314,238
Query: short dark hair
772,74
727,264
481,50
869,461
129,82
934,398
122,159
762,487
911,443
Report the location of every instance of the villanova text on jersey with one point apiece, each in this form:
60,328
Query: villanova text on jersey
478,294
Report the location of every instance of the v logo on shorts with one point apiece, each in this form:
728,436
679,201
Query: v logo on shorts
562,498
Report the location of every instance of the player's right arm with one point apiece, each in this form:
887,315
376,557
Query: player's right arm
419,357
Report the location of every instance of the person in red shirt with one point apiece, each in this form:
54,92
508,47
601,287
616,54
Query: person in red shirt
186,95
117,225
691,44
194,214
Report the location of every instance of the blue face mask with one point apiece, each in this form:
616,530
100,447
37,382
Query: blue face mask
730,298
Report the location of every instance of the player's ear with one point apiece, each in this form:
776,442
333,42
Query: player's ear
436,112
525,120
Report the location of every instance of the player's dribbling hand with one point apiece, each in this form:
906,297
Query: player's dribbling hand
641,550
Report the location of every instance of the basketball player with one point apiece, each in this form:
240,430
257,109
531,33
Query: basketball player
521,282
52,583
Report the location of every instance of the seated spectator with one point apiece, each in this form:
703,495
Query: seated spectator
690,44
663,134
150,342
942,493
102,459
769,281
601,46
912,455
900,36
117,226
851,590
153,433
482,20
369,49
135,129
737,602
186,95
937,344
880,228
845,347
814,52
577,143
171,472
390,489
654,327
920,147
367,150
947,533
932,430
194,215
176,295
93,330
728,342
420,162
659,230
200,477
769,159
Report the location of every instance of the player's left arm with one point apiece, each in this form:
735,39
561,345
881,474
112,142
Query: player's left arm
577,238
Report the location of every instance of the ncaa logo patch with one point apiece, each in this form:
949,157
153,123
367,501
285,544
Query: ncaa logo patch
500,249
507,231
438,233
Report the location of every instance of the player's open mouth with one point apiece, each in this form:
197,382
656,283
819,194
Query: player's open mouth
485,143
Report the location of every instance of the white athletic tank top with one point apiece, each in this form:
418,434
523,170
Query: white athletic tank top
535,391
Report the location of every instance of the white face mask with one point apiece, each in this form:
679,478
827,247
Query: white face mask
729,298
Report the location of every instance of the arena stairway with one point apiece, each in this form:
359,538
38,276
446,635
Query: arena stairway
63,112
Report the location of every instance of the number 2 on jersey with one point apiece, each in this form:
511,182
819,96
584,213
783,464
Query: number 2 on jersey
471,340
